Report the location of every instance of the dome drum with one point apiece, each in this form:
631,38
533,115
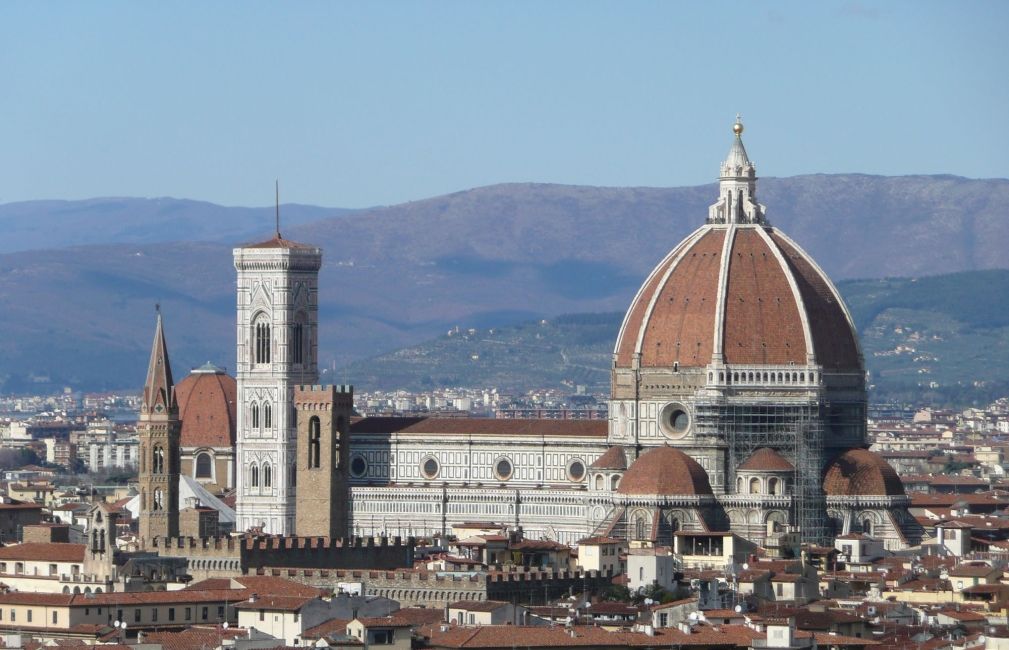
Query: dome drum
765,376
671,501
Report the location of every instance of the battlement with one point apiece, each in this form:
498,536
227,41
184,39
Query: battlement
216,547
323,397
426,577
251,554
429,588
277,543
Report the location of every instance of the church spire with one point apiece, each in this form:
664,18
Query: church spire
159,389
737,186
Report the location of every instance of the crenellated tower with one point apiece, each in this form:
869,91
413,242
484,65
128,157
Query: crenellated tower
323,458
158,430
278,283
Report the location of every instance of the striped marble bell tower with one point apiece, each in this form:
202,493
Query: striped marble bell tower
277,341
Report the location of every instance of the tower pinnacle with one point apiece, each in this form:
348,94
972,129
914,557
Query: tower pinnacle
159,389
737,185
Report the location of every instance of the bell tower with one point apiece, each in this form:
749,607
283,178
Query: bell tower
158,430
277,325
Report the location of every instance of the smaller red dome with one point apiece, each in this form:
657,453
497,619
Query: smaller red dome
207,408
766,459
665,471
614,458
859,472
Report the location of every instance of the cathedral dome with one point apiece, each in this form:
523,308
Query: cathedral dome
665,471
766,459
737,291
614,458
207,402
860,472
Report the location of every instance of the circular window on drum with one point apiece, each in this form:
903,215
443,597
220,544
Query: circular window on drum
429,467
358,466
503,468
674,420
576,470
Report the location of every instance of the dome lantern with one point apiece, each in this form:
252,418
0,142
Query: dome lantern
737,186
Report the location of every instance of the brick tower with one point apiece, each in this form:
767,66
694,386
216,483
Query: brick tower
323,456
158,430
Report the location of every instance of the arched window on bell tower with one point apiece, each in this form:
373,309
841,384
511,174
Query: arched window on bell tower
254,415
267,415
297,341
158,461
314,442
261,340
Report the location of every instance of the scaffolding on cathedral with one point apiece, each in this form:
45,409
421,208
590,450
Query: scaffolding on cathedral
793,429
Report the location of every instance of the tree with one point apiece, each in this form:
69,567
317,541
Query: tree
17,458
618,593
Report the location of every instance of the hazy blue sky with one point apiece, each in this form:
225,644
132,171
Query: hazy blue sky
356,104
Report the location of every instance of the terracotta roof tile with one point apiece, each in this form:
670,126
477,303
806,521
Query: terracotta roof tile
766,459
275,586
860,472
279,242
193,638
680,325
332,627
672,318
480,426
627,339
665,471
614,458
207,405
762,322
833,338
50,551
275,603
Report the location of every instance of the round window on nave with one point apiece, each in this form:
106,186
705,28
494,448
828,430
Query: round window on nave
503,469
429,468
358,466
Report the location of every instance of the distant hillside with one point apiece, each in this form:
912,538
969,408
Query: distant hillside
395,276
31,225
951,329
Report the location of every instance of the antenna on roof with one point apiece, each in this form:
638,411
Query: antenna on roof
277,189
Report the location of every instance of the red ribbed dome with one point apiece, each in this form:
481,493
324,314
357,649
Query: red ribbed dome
777,307
859,472
766,459
207,408
614,458
665,471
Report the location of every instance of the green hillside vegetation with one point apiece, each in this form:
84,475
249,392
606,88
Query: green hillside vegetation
940,340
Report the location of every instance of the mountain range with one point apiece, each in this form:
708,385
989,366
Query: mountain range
939,340
79,280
